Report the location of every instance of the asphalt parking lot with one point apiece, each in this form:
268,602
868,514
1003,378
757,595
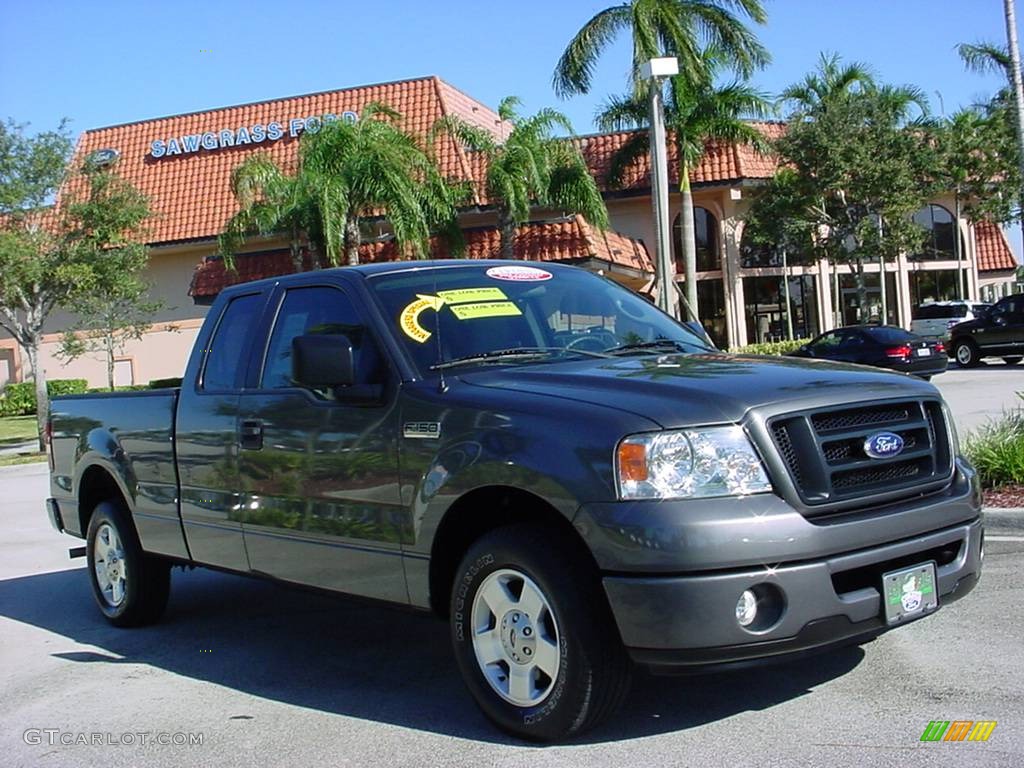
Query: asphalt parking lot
980,394
268,675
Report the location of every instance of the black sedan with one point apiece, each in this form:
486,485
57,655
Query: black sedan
884,346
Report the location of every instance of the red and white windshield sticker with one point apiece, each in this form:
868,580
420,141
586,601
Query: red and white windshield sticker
519,274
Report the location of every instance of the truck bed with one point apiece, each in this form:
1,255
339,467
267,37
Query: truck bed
131,434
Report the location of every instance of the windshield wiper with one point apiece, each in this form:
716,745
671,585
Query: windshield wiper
656,345
513,353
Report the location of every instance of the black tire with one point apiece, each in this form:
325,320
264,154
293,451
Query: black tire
593,670
146,579
966,354
1014,360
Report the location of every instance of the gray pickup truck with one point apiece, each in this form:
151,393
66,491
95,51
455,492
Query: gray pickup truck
577,483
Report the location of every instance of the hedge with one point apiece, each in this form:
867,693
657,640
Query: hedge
770,347
20,399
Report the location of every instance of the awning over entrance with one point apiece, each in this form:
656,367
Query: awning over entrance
569,240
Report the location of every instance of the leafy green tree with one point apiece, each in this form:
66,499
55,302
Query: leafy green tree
831,82
531,166
680,28
347,173
696,112
52,257
857,150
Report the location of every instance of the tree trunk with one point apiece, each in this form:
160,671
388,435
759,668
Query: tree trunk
862,291
296,252
507,230
689,233
1013,48
108,347
42,398
352,239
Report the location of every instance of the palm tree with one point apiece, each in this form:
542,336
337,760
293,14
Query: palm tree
985,57
833,80
531,166
665,28
272,202
347,172
695,113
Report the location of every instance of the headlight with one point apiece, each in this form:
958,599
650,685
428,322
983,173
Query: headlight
689,463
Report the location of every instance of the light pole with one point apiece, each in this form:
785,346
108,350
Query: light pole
655,70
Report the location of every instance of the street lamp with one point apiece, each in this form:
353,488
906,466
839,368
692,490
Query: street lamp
655,70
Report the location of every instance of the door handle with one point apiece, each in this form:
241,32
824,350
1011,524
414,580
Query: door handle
251,435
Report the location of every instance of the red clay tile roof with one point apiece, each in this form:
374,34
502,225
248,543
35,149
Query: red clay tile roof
721,162
994,252
570,239
190,193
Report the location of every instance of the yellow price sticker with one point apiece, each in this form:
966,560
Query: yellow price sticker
464,295
485,309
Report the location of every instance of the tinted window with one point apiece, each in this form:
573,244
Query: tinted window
312,311
889,335
225,361
941,311
826,343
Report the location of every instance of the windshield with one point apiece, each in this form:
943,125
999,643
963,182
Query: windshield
555,311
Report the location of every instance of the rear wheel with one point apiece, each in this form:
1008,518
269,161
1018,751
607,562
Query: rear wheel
966,353
533,636
130,587
1012,360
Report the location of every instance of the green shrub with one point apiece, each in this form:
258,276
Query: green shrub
20,399
997,451
164,383
770,347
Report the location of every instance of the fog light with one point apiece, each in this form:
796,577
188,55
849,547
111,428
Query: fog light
746,608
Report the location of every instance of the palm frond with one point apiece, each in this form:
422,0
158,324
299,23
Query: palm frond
575,68
985,57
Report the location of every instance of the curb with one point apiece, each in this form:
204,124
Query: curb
1004,519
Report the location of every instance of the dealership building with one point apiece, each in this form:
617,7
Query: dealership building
183,164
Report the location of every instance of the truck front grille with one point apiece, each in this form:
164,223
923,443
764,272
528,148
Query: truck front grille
824,450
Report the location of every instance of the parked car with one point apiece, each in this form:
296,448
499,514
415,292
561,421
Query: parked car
997,332
935,319
574,481
883,346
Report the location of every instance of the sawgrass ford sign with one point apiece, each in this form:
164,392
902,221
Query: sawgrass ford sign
246,134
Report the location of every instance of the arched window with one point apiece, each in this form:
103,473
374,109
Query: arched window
709,254
939,227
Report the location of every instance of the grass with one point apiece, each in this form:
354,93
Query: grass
17,429
997,451
21,458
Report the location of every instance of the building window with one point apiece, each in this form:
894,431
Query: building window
709,254
711,310
932,285
754,255
938,225
765,307
873,312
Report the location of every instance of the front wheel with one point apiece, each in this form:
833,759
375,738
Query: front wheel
130,587
966,353
534,638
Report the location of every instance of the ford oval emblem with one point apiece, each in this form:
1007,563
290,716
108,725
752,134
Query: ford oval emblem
883,445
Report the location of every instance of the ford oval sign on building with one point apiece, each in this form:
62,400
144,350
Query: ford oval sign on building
883,445
102,157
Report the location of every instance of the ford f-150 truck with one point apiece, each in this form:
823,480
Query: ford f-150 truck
576,482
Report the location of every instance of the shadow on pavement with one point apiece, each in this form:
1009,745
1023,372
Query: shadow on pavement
356,659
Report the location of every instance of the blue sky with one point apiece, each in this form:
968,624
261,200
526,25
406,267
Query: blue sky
100,62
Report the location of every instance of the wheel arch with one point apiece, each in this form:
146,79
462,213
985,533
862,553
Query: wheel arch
97,484
478,512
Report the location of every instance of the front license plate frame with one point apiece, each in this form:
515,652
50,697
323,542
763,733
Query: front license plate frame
910,593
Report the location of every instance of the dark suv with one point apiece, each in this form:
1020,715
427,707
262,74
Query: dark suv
997,332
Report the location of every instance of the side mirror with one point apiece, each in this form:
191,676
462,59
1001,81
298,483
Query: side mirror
998,319
322,361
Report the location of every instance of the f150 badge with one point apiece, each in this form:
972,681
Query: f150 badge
422,429
883,445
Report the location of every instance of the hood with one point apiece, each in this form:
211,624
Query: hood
688,390
969,326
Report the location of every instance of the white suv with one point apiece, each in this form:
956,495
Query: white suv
935,319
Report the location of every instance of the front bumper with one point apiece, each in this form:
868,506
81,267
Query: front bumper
690,621
825,575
